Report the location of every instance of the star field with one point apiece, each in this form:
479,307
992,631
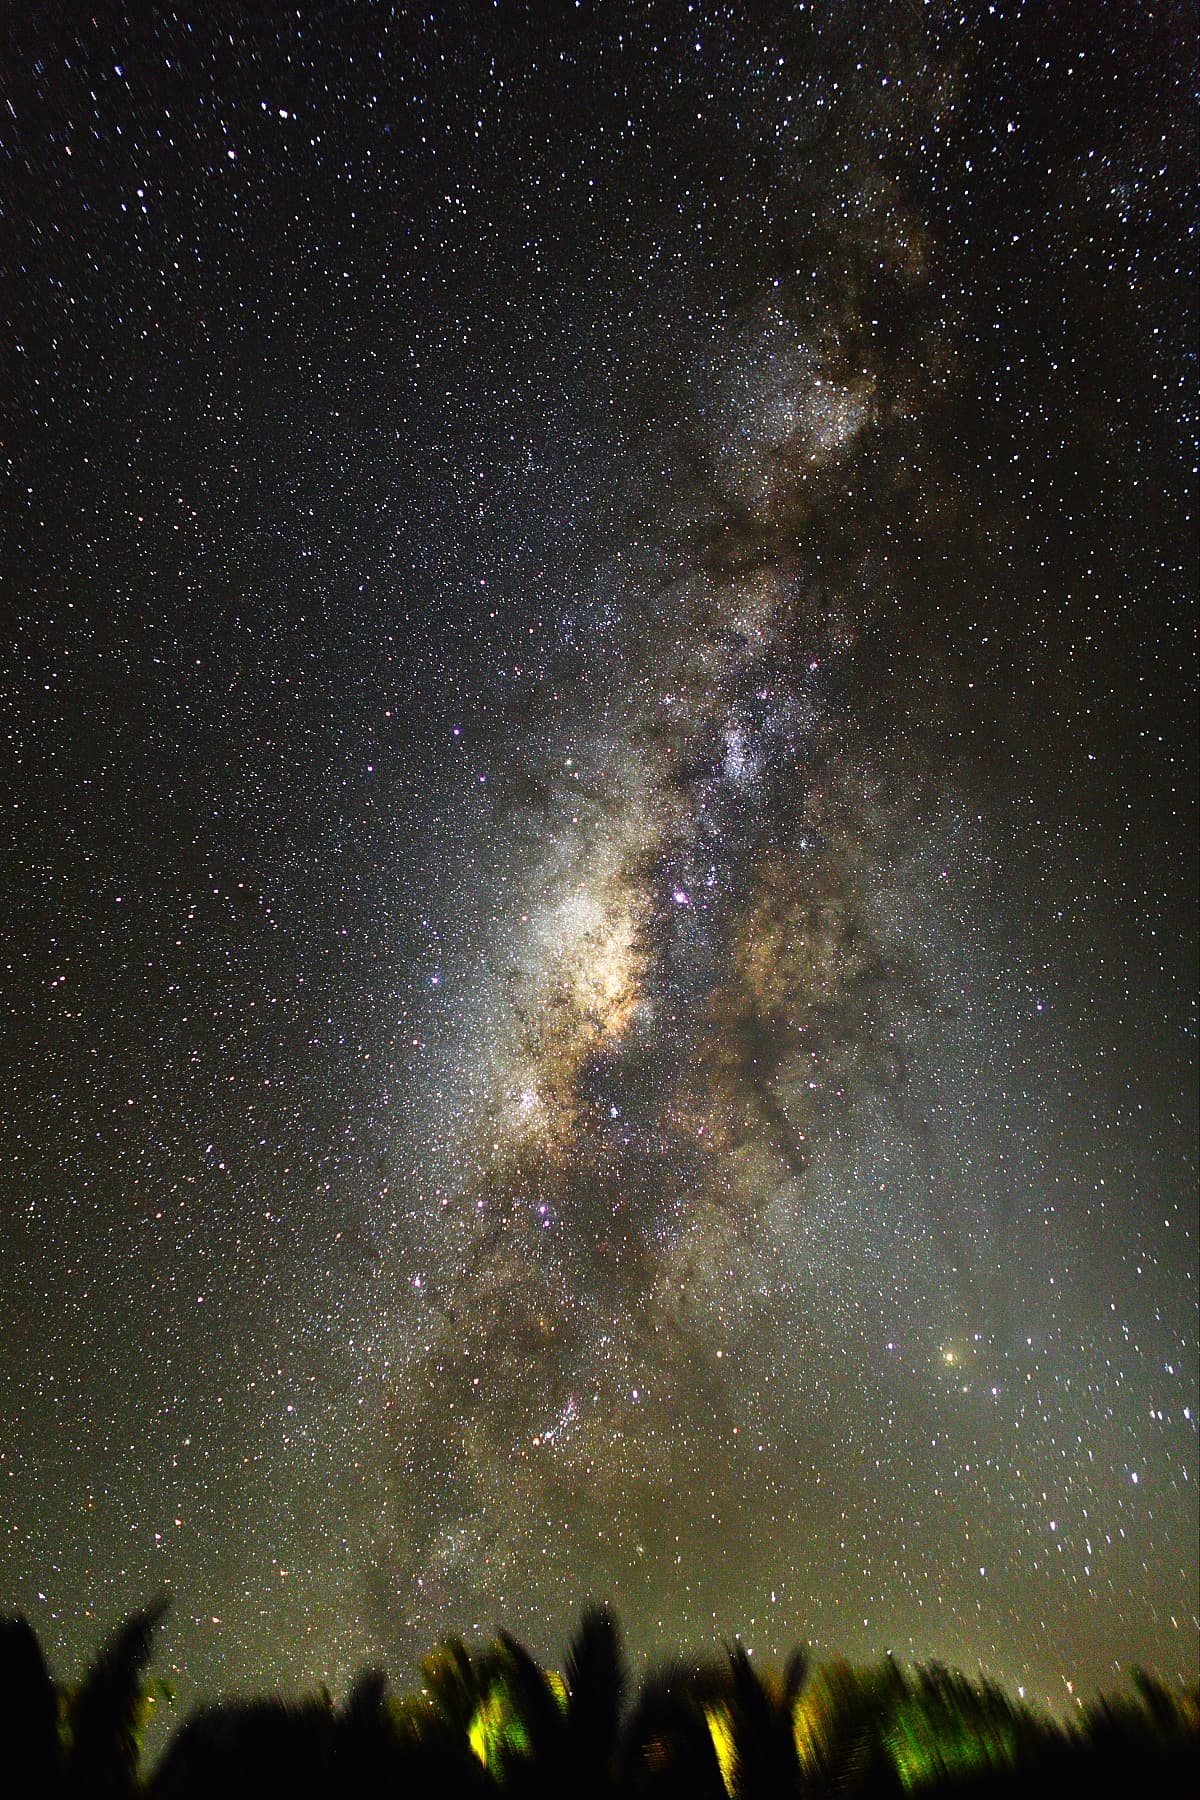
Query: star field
599,953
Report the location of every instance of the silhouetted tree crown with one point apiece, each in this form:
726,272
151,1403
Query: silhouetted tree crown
491,1721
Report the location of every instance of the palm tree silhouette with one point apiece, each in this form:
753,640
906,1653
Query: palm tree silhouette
538,1768
366,1748
29,1746
244,1750
595,1697
106,1714
537,1741
494,1722
849,1753
764,1761
667,1749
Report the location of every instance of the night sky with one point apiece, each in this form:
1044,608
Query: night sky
598,934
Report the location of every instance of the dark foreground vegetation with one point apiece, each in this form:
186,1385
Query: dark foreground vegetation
491,1721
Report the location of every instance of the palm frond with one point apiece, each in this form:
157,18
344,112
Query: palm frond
106,1716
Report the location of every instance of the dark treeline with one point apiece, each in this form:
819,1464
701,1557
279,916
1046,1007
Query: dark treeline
491,1721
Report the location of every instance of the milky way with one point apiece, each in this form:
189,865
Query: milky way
600,950
701,979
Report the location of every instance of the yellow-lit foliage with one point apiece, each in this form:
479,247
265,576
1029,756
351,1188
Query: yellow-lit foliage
721,1730
948,1726
495,1732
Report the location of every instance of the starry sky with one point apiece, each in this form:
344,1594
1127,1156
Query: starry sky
598,737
